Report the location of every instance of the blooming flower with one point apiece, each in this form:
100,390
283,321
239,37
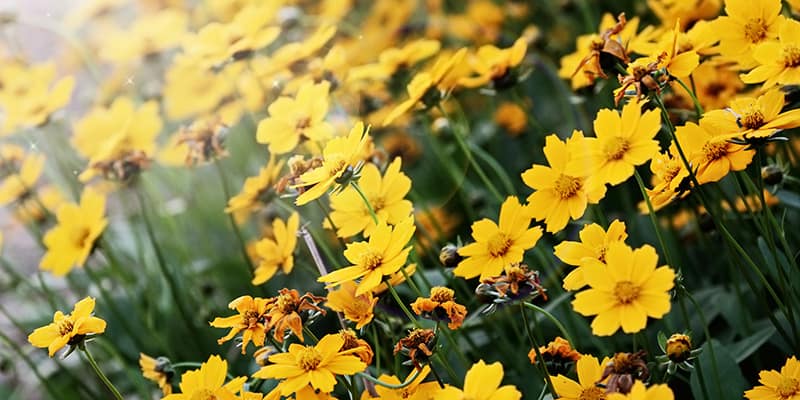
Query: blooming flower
208,382
783,385
251,320
356,308
640,392
747,25
29,95
498,246
17,184
493,64
441,305
256,189
70,242
594,244
277,252
393,60
155,369
710,153
292,121
482,382
70,329
590,372
416,390
759,117
625,291
778,62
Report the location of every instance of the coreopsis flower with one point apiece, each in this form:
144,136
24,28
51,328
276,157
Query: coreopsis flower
393,60
294,120
283,312
340,160
625,290
594,244
277,252
384,254
204,140
250,320
148,36
747,25
70,242
482,382
709,151
30,95
669,179
317,366
356,308
37,208
511,117
441,306
759,117
292,55
416,390
783,385
356,346
70,329
190,90
623,141
157,370
558,352
208,382
678,352
563,189
590,372
640,392
498,246
256,190
20,177
386,194
495,65
418,345
517,282
623,370
670,11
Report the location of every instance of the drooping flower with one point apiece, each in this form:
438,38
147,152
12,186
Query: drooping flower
594,244
623,369
640,392
558,351
70,329
294,120
277,252
157,370
783,385
441,306
418,345
356,308
208,382
284,312
590,373
482,382
356,346
251,321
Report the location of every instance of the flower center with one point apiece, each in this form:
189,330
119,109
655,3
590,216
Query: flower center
615,148
755,30
65,327
715,150
752,120
441,294
250,318
309,358
626,292
378,203
302,124
498,245
336,166
592,393
81,236
203,394
788,387
286,303
371,260
791,56
567,186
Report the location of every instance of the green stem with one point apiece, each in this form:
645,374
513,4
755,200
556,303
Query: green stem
409,380
697,107
553,319
358,190
100,373
539,358
402,305
242,244
654,220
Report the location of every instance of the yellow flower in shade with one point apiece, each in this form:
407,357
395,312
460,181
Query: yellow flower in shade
563,189
498,246
292,121
154,369
208,382
482,382
441,306
715,85
416,390
256,190
590,373
70,329
17,185
36,209
669,173
293,53
385,194
340,158
493,64
384,254
783,385
358,309
624,291
778,62
759,117
311,365
747,25
640,392
623,141
277,252
709,152
250,321
70,242
190,90
511,117
670,11
593,245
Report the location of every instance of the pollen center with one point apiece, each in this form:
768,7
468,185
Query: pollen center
592,393
286,303
65,327
626,292
81,236
250,318
788,387
755,30
566,186
715,150
203,394
371,260
752,120
791,56
615,148
498,245
441,294
302,124
309,358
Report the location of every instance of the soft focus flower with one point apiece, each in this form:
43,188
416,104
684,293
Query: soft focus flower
29,95
441,306
358,309
208,382
250,321
294,120
482,382
494,65
70,329
158,371
511,117
21,182
594,244
256,190
783,385
277,252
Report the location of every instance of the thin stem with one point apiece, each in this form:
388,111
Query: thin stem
654,220
553,319
239,238
409,380
401,304
100,373
697,107
358,190
539,358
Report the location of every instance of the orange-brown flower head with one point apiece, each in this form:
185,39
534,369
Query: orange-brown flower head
441,306
356,346
418,345
679,347
284,312
558,355
205,140
623,370
517,282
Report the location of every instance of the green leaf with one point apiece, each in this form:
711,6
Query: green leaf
726,383
747,346
789,198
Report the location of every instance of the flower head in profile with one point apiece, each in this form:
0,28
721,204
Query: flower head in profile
594,244
208,382
256,190
250,320
759,117
590,373
70,242
294,120
359,347
498,245
625,290
284,312
482,382
670,179
640,392
441,306
157,370
356,308
30,95
491,64
416,390
20,177
70,329
783,385
277,252
709,150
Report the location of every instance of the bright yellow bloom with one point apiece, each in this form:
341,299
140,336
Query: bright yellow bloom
29,95
416,390
293,121
640,392
709,152
669,173
16,185
493,64
256,189
356,308
70,242
593,245
315,365
670,11
277,252
374,260
748,24
190,90
386,195
482,382
68,329
759,117
624,291
563,189
208,382
292,53
342,155
153,369
250,320
498,246
715,86
784,385
590,372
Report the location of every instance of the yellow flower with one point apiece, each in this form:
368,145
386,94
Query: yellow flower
292,53
416,390
293,121
154,370
493,64
709,152
498,246
511,117
311,365
747,25
441,306
190,90
563,189
590,373
623,141
340,158
36,209
624,291
640,392
356,308
208,382
256,189
17,185
669,173
70,329
759,117
277,252
384,254
715,86
593,245
149,35
250,319
784,385
395,59
670,11
29,95
482,382
386,195
70,242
